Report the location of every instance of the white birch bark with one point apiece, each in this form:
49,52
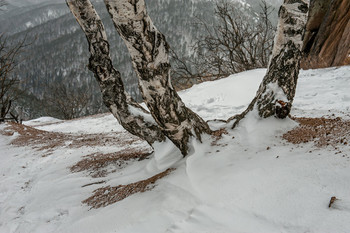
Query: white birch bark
130,115
150,57
276,92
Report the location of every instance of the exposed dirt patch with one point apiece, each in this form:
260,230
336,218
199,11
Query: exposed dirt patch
29,136
97,163
43,140
321,131
217,135
108,195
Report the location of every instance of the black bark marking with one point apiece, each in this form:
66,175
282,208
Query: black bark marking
282,109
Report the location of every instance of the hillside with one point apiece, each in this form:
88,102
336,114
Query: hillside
89,175
59,53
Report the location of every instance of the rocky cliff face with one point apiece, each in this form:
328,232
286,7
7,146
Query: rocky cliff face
327,38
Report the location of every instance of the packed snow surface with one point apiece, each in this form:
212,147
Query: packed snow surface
251,180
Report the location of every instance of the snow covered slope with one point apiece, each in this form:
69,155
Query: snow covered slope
318,92
249,180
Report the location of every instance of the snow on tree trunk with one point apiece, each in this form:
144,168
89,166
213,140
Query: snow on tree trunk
130,115
276,92
150,57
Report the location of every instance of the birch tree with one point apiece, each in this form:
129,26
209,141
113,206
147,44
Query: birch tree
276,92
170,117
149,51
129,114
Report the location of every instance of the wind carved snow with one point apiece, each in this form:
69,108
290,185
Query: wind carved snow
276,92
150,57
130,114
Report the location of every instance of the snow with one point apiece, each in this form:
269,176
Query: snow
251,180
42,120
165,156
103,123
226,98
329,94
29,24
139,113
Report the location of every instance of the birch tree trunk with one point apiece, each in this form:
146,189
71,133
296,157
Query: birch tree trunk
150,57
130,115
276,92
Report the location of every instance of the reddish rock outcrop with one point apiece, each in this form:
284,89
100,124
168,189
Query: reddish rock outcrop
327,37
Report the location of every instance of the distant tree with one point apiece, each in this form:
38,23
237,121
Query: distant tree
235,42
66,102
2,3
149,51
9,83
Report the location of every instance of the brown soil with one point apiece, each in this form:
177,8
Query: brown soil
321,131
217,135
96,163
108,195
43,140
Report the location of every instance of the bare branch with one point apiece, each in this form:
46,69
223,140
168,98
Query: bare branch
233,43
66,102
9,84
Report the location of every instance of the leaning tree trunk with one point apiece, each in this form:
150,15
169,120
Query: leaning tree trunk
150,57
130,115
276,92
